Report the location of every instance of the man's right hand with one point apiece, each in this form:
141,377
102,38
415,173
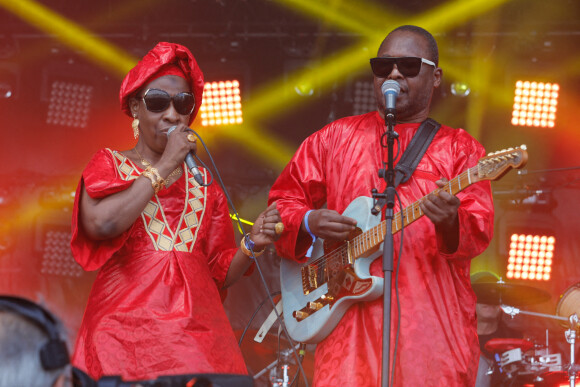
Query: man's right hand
329,224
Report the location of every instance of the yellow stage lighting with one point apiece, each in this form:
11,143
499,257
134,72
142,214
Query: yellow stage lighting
535,104
222,104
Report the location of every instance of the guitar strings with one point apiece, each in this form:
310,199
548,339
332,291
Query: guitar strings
322,262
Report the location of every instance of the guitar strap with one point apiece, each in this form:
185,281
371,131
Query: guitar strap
415,151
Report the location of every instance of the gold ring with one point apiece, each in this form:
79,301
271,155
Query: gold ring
190,137
279,227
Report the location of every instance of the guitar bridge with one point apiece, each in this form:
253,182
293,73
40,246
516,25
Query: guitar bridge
310,275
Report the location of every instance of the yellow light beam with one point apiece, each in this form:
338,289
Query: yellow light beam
453,13
100,51
264,145
278,95
358,17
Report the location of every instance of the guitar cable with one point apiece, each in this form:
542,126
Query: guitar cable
253,258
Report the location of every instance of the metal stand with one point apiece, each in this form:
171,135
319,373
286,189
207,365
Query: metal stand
387,198
570,335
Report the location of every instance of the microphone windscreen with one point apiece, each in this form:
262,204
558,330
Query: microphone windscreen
391,85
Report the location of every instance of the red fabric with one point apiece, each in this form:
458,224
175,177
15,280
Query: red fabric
438,339
163,55
155,307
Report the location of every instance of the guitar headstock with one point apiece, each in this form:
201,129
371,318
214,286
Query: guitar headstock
495,165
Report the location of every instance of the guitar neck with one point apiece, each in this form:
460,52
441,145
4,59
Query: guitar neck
372,237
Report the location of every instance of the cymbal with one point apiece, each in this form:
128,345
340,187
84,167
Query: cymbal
496,293
500,345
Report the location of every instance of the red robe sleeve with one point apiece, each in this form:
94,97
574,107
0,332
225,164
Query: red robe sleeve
299,188
476,210
221,246
100,179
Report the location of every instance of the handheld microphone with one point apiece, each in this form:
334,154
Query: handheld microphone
190,161
390,89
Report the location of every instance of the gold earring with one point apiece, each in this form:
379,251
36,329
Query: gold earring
135,125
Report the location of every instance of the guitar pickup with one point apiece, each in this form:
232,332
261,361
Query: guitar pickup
312,307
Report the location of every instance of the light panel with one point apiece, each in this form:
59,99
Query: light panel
535,104
222,103
57,257
69,104
363,98
530,257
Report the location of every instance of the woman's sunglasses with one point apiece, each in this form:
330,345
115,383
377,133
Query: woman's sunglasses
158,100
409,66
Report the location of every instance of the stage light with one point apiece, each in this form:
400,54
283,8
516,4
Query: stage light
535,104
304,88
530,256
460,89
57,258
9,80
69,104
222,103
363,98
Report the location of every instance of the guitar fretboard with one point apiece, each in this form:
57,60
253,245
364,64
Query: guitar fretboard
318,270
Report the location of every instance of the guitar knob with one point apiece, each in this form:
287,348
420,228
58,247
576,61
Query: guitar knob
300,315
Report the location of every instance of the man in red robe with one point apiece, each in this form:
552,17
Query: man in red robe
437,337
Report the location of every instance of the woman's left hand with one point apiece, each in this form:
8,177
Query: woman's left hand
267,228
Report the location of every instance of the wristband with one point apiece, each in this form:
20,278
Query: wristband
247,246
309,252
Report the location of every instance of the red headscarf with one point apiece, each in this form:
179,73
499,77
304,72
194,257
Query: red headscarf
164,59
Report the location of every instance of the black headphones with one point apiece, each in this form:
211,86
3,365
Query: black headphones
53,354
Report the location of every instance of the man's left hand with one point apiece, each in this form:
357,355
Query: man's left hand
442,210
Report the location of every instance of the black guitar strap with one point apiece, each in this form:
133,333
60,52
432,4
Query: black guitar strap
415,151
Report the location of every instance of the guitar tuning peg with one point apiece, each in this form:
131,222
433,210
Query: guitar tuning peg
524,147
510,149
490,154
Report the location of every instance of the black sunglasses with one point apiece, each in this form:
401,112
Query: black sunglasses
409,66
158,100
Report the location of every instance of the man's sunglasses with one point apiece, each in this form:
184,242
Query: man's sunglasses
158,100
409,66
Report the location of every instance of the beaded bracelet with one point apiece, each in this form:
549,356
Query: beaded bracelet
247,246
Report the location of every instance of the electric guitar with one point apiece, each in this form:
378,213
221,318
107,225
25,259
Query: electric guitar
317,293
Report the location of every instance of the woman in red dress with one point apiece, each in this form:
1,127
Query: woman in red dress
163,244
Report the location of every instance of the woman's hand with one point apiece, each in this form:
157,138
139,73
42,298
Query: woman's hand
180,142
264,229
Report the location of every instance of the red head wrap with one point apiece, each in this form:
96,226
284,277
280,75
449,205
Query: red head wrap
163,59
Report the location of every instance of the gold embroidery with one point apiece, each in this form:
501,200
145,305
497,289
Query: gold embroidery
153,216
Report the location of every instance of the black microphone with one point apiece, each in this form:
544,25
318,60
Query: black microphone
390,89
190,161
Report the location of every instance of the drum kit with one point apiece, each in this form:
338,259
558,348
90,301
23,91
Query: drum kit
523,362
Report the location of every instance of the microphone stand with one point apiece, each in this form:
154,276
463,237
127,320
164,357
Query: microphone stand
381,199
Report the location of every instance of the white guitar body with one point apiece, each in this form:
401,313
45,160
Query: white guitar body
321,322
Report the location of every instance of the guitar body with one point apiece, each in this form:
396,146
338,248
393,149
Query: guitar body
348,285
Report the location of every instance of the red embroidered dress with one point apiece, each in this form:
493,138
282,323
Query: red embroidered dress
155,308
438,339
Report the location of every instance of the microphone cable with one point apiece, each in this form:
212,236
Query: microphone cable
253,258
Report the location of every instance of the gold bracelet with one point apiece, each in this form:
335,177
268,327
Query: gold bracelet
246,250
162,182
154,182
